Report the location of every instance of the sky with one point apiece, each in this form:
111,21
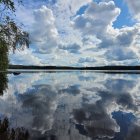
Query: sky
79,32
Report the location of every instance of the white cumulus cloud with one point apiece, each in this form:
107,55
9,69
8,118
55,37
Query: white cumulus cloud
80,29
44,33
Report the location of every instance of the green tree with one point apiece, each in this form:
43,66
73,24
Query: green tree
11,36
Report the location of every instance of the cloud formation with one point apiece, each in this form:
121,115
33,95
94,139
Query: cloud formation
93,108
92,22
81,29
71,48
134,8
44,33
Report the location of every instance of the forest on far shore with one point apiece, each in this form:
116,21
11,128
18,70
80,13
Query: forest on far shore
75,68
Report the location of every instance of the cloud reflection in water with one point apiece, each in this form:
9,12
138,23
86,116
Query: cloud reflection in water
74,105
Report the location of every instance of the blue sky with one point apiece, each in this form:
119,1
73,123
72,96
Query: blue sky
80,32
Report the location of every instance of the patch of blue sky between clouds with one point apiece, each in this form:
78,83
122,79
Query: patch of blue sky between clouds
125,18
82,10
37,3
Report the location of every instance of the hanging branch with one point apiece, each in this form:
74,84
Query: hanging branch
10,32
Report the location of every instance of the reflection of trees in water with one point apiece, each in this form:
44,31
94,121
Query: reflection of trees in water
3,66
3,82
7,133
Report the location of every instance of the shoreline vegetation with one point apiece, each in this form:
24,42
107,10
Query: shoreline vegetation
31,67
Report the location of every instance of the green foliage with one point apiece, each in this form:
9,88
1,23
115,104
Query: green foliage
11,38
3,55
10,32
8,4
11,35
3,65
6,7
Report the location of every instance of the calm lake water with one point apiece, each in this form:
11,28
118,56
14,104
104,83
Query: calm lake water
74,105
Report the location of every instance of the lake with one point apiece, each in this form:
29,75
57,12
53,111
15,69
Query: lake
73,105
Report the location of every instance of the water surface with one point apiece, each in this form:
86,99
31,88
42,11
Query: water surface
73,105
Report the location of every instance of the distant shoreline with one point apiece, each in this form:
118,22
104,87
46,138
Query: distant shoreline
110,68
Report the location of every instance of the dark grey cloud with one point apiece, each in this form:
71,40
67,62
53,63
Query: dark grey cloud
133,132
95,117
106,42
118,90
97,122
119,85
120,54
86,60
41,103
74,90
71,48
126,37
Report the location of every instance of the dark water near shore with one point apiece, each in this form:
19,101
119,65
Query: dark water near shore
73,105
